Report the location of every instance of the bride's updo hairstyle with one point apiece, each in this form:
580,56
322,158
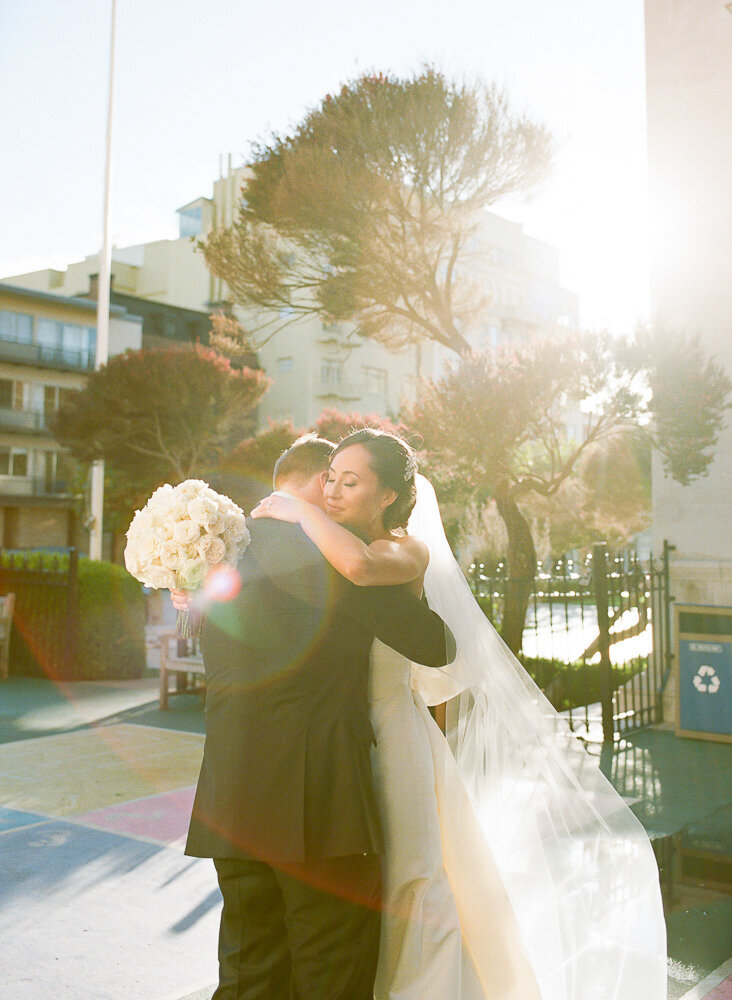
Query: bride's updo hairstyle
395,465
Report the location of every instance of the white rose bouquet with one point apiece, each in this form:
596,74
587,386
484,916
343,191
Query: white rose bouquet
180,533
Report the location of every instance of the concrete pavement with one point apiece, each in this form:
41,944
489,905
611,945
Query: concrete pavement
97,900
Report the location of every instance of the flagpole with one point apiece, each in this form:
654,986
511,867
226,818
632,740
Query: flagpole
96,500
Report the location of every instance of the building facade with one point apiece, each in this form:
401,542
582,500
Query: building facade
314,367
689,84
47,347
525,298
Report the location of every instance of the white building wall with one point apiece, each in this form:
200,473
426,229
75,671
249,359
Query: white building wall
689,82
689,69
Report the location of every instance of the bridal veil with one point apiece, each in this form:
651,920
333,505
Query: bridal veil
576,864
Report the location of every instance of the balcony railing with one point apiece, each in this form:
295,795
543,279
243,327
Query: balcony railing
33,486
30,421
338,390
41,356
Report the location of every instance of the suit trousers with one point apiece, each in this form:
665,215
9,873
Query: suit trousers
299,932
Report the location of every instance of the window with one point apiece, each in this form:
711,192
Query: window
13,462
284,364
49,333
50,398
16,327
74,338
74,342
12,394
57,471
6,393
190,221
330,372
375,381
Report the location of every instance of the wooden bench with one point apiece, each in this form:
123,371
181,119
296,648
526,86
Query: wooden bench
181,658
7,606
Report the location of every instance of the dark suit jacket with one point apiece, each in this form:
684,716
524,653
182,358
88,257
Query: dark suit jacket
286,773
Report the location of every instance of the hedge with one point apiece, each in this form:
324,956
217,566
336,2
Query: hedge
573,685
112,617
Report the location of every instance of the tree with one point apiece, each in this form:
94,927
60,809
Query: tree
493,428
334,425
369,211
606,497
157,415
245,472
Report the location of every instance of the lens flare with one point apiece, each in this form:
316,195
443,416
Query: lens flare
222,584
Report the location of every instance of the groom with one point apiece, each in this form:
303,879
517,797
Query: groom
285,803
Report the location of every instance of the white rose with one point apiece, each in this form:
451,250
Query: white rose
192,573
160,578
162,499
132,561
189,489
172,555
140,522
201,510
211,548
186,531
215,524
236,528
146,549
162,494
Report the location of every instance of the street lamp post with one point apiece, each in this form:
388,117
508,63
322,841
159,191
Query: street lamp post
96,500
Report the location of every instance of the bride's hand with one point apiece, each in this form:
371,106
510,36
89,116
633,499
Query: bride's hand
280,508
181,599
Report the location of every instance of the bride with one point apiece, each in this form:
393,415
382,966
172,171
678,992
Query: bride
513,870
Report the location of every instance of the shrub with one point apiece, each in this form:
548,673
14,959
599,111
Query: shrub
112,615
573,685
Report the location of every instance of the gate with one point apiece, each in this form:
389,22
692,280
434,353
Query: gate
597,638
45,622
639,702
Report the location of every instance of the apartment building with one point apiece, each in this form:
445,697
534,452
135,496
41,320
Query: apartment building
47,347
314,367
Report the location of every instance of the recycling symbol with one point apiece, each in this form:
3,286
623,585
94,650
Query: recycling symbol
706,680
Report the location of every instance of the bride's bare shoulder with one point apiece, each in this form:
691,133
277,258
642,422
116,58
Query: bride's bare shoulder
412,548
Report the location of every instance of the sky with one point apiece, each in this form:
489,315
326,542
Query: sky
195,80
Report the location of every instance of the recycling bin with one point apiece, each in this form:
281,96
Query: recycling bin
704,656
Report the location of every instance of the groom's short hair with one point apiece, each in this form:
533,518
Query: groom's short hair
307,457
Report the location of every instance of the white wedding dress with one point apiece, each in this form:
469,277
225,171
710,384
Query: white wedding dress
448,931
513,869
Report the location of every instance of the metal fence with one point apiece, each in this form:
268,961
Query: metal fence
597,637
45,622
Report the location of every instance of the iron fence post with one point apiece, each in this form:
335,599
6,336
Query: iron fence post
599,574
72,612
666,599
